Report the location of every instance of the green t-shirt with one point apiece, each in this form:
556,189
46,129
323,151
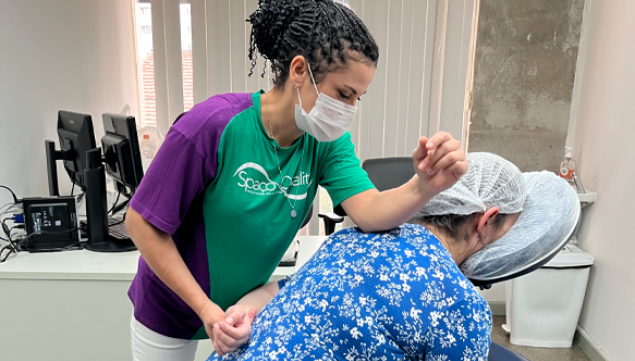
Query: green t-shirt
247,207
216,188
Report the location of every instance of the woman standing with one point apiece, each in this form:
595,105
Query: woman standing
237,174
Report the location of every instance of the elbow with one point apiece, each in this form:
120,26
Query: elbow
136,226
371,229
131,222
368,227
375,225
143,232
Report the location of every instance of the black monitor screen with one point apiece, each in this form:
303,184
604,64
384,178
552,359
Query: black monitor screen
76,136
121,149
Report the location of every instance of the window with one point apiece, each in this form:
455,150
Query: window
145,59
186,55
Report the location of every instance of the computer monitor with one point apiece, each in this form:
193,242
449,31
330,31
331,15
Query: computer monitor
122,156
76,137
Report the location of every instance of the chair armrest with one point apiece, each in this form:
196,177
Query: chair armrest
331,217
330,220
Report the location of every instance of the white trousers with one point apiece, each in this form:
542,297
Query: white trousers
148,345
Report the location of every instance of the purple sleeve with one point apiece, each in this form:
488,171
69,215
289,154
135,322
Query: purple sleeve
178,174
186,162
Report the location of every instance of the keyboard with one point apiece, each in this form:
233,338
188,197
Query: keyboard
116,228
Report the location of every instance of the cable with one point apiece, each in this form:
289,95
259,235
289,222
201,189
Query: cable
73,189
11,235
17,226
115,204
2,209
5,228
15,199
71,247
12,247
116,224
123,219
36,233
25,238
8,207
11,250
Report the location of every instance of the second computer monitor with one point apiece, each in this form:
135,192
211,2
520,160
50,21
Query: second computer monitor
121,151
76,136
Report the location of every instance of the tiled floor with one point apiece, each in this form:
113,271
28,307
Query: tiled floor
533,353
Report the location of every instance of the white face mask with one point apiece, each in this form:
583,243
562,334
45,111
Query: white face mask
328,120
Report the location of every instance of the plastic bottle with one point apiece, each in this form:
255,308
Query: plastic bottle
567,167
148,151
148,148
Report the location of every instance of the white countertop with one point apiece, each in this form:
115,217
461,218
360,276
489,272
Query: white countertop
122,266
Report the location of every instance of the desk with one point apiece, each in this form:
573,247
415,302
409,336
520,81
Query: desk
74,305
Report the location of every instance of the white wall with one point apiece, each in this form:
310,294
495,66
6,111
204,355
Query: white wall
74,55
603,144
496,294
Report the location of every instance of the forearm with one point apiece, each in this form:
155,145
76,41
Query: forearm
389,209
160,253
258,298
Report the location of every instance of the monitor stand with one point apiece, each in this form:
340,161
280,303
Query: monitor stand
96,208
52,156
111,245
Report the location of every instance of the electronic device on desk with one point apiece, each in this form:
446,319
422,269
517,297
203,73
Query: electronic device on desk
122,161
122,156
76,136
50,224
291,255
85,165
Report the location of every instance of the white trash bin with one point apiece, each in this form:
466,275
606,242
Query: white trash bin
543,307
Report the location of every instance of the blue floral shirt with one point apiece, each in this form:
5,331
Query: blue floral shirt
390,296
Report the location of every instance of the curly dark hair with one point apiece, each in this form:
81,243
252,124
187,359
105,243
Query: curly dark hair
324,32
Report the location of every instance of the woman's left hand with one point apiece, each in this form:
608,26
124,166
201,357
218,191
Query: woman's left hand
439,162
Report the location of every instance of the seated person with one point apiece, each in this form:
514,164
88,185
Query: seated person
397,295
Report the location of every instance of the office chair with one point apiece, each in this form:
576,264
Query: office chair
308,217
384,173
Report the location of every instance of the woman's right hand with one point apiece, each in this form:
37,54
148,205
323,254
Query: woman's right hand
211,314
